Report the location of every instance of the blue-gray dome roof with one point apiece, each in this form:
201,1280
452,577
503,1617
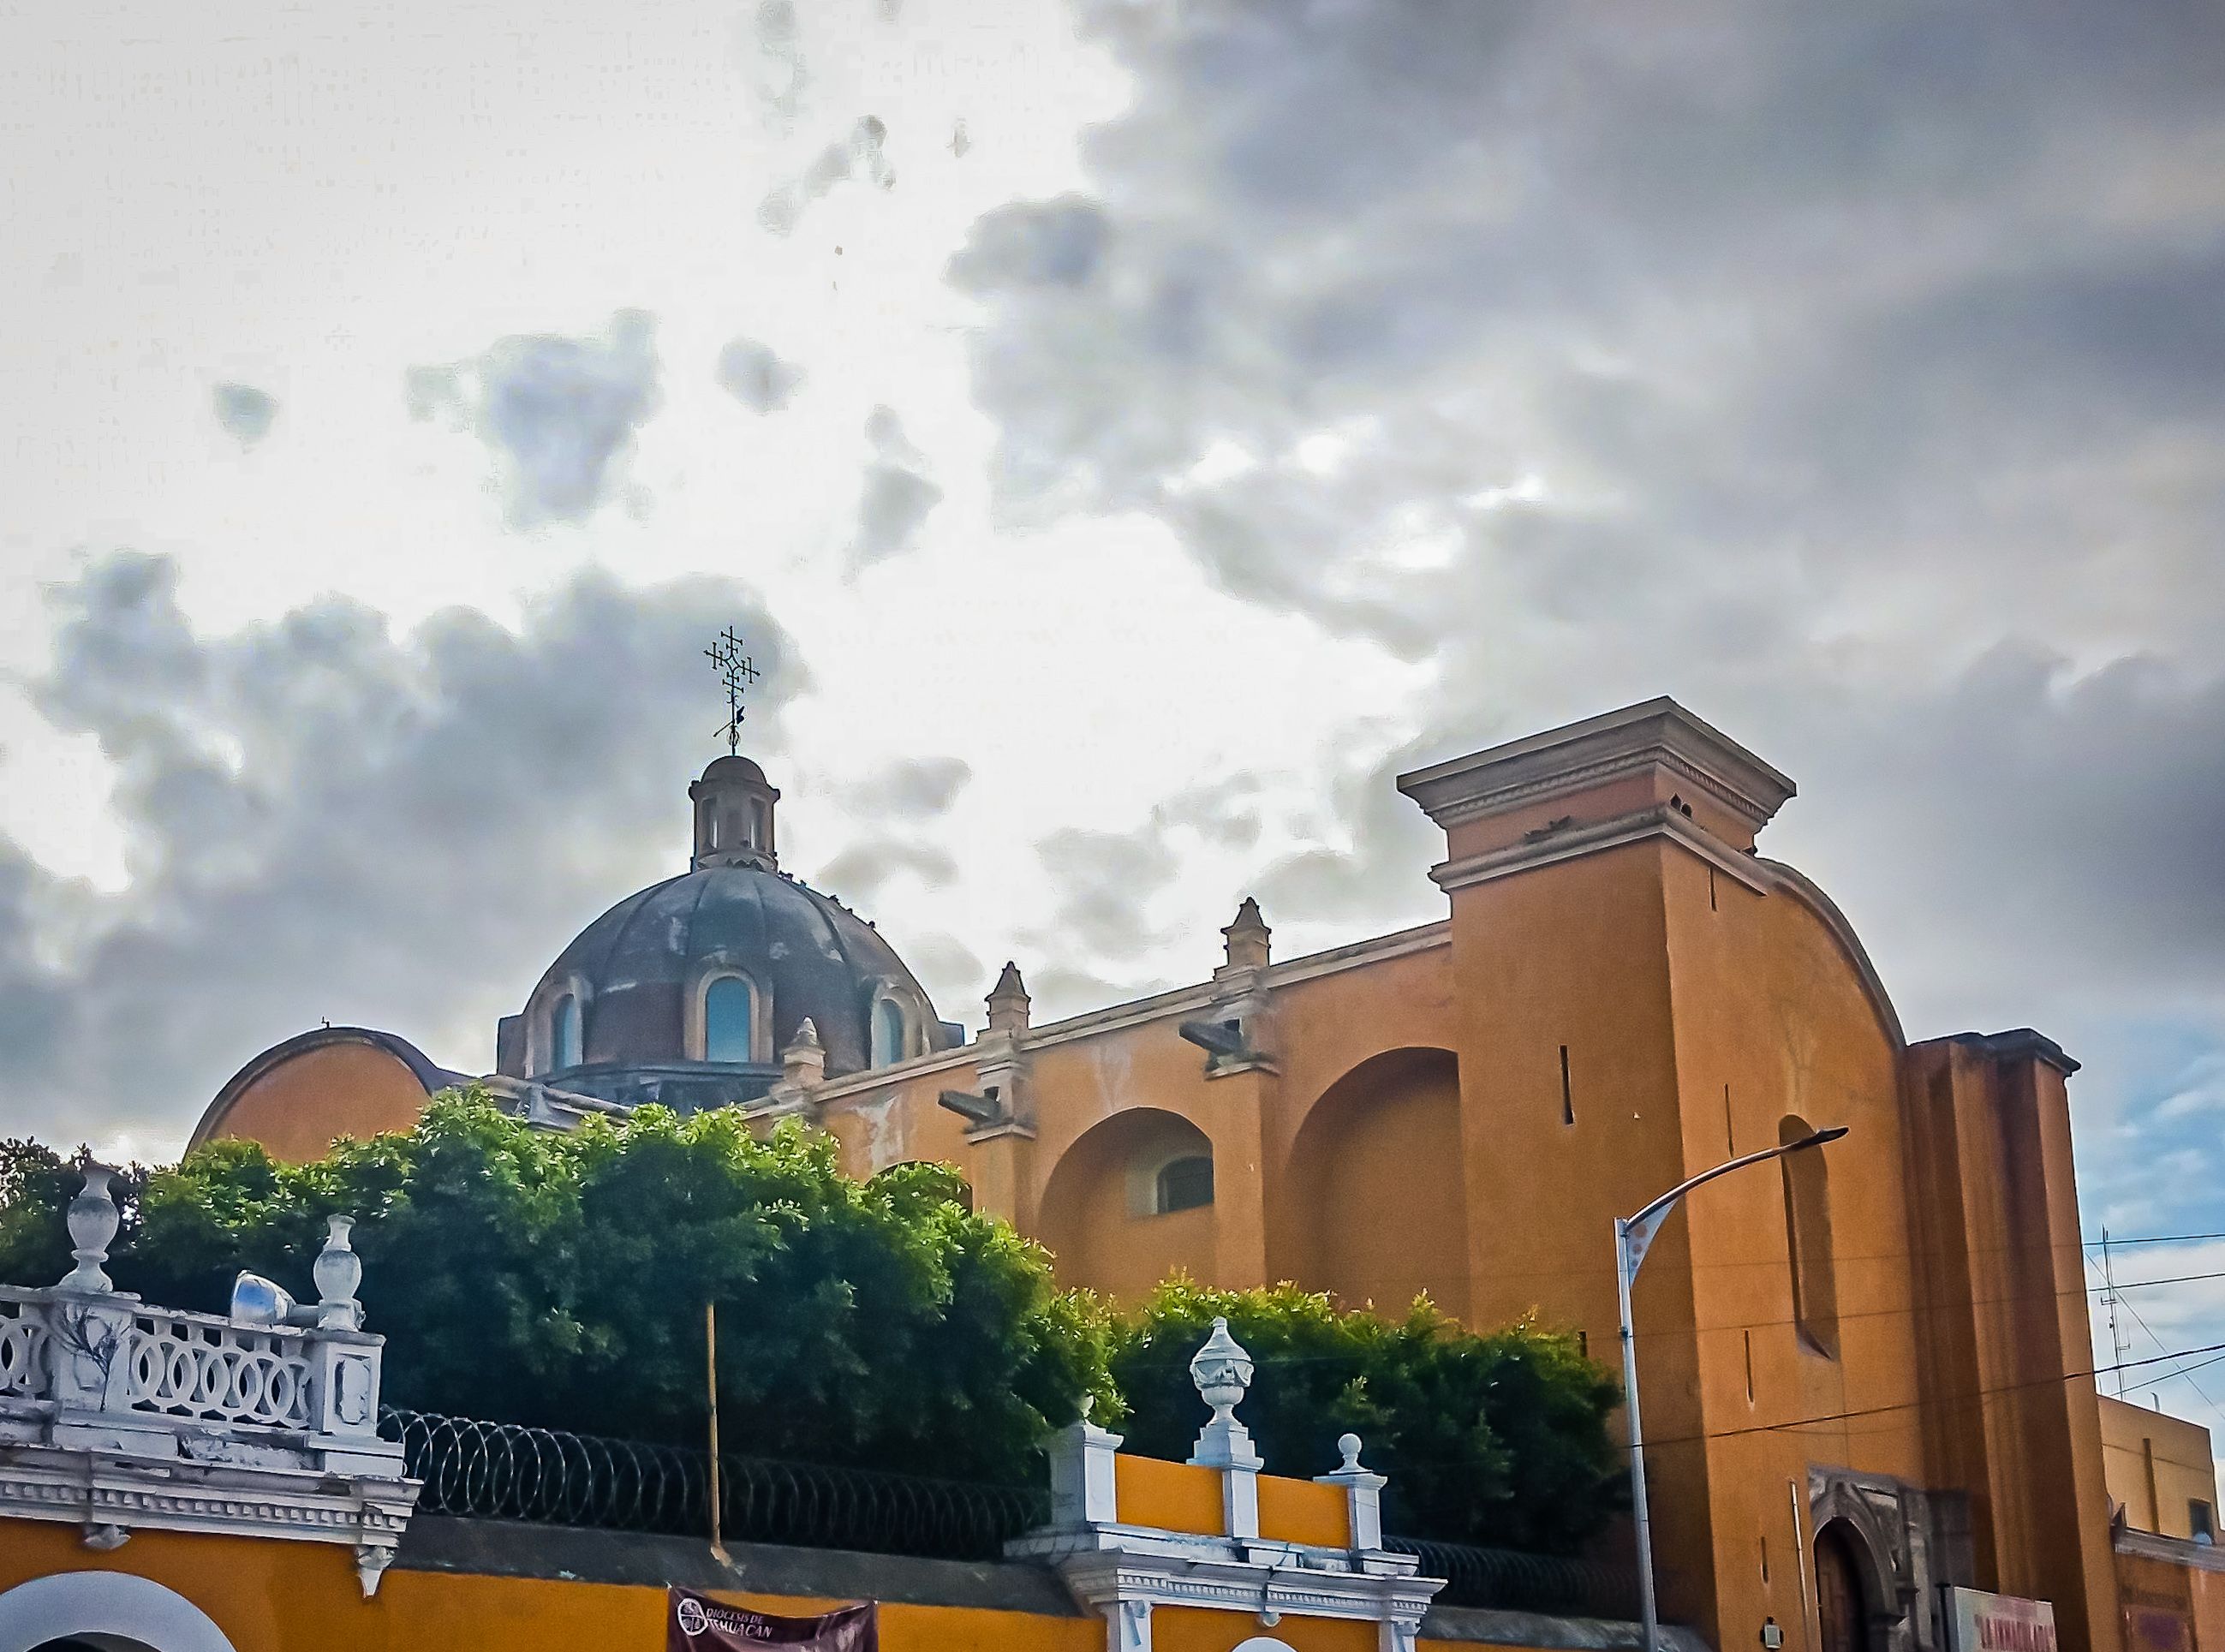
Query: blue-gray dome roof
641,961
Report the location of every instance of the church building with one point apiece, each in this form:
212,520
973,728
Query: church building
1866,1367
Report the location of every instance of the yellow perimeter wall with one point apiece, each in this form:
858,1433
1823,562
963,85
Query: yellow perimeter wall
269,1595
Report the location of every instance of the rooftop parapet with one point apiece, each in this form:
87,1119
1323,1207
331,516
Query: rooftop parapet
122,1415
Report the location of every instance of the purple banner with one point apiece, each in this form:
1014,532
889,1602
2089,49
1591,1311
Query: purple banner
698,1624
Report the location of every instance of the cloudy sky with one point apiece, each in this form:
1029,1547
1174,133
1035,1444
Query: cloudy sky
1127,433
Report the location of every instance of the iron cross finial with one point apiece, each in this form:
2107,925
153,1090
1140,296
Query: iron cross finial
735,674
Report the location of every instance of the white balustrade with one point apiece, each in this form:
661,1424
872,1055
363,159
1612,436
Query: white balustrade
22,1351
190,1365
264,1422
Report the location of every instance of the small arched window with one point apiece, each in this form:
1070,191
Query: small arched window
729,1015
1807,1229
888,1032
564,1039
1182,1184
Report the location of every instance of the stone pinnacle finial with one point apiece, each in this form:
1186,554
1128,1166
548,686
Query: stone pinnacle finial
1008,1002
1247,936
803,1063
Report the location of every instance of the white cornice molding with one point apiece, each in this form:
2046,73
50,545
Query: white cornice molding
112,1494
1659,821
1287,1579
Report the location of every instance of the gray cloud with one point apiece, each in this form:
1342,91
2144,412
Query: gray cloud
558,414
910,788
756,377
1853,375
245,411
953,974
860,153
325,818
860,872
896,497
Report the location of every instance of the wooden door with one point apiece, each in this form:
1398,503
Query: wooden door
1842,1619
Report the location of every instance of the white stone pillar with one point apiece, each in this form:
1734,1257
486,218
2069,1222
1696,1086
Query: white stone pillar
1363,1494
1083,1483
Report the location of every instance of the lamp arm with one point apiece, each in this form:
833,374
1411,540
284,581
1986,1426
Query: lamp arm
1816,1138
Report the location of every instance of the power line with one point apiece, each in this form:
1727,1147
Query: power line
1910,1405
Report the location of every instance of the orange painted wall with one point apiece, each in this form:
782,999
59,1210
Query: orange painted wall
1771,1022
297,1108
1386,1138
269,1595
1090,1218
1173,1496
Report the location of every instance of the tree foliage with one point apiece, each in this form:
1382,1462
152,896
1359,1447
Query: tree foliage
1499,1439
561,1279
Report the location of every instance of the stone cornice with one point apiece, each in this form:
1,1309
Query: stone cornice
1657,733
1659,821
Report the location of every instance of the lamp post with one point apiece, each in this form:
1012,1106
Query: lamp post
1633,1236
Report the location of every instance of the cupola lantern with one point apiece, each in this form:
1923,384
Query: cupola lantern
733,816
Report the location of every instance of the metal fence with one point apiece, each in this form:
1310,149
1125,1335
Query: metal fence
1513,1581
501,1470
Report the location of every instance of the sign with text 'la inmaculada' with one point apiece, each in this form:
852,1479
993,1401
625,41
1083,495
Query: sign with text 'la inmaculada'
696,1623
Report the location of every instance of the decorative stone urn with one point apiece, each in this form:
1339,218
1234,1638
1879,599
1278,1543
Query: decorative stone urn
337,1271
1222,1371
93,1220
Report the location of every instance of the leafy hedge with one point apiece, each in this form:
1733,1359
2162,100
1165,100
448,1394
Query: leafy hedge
559,1280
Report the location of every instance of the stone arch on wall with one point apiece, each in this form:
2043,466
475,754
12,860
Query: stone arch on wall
114,1612
1867,1515
1373,1204
1099,1217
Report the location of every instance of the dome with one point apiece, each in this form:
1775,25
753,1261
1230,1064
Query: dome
686,993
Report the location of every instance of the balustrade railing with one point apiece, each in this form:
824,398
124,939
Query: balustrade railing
24,1373
508,1471
1516,1580
115,1356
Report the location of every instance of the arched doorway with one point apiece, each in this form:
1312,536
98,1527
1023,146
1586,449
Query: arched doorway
1842,1615
108,1612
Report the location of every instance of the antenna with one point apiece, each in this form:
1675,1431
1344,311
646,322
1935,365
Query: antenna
2109,1295
735,674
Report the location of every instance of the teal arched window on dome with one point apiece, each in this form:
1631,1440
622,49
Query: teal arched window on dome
888,1032
564,1039
729,1014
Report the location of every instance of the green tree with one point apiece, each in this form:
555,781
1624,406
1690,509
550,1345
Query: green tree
559,1279
1498,1438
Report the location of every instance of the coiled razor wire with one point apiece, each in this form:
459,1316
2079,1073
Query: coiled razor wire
1515,1580
505,1471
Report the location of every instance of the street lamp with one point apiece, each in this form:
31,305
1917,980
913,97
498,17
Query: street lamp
1633,1236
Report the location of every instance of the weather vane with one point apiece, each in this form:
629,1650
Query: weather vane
735,674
